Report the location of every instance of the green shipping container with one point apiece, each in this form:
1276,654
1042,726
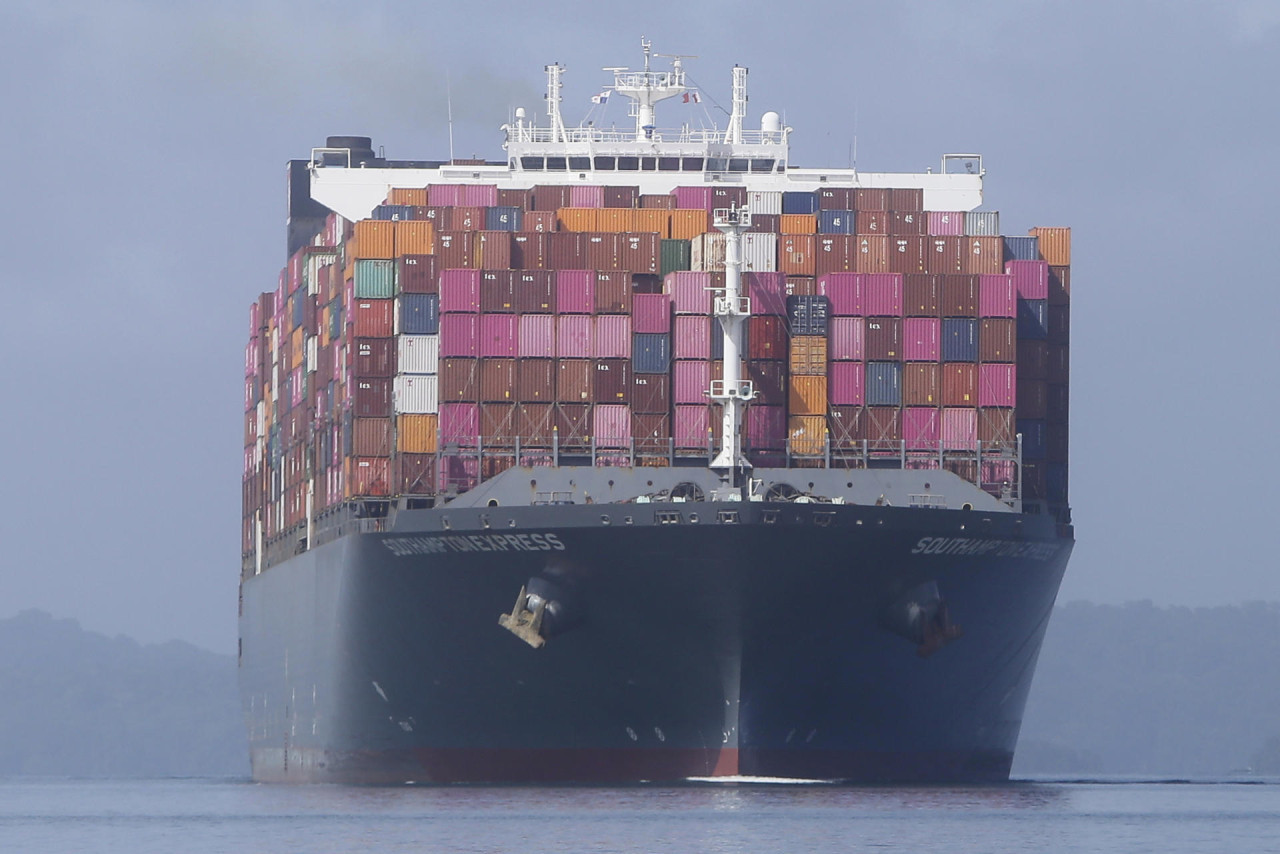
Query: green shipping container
674,255
375,279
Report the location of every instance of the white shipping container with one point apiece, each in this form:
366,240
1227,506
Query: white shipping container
982,223
311,269
765,201
313,355
416,394
706,255
760,252
418,354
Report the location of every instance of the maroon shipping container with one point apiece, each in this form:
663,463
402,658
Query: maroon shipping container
882,340
531,251
1033,398
497,380
455,250
1059,366
601,250
514,199
767,337
959,384
537,222
372,398
415,474
920,295
1058,406
907,255
906,199
493,249
573,380
498,290
763,223
652,432
650,393
440,216
468,218
959,296
498,425
995,427
536,380
769,378
908,223
921,384
416,274
1033,360
1059,285
1059,324
374,357
534,423
621,197
843,425
867,199
766,427
550,197
371,437
659,201
535,292
613,292
801,286
998,339
637,253
564,251
835,253
835,199
459,381
872,222
881,426
573,424
944,255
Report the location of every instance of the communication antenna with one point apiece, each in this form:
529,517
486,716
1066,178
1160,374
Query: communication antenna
448,99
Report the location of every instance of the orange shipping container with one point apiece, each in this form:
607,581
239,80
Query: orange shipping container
808,434
374,239
407,196
796,253
798,224
809,355
417,434
1055,245
613,219
807,395
414,237
984,255
652,221
578,219
688,224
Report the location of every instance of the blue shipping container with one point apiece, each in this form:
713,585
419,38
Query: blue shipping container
502,218
807,315
1035,443
959,339
1055,477
835,222
799,203
884,383
375,279
1021,249
651,352
392,212
1033,319
335,319
420,314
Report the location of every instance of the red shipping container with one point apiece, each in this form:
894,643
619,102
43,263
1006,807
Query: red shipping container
573,424
415,474
944,255
846,383
1032,398
637,253
493,249
535,292
370,476
550,197
374,357
498,425
768,293
417,274
691,337
534,423
440,216
373,318
531,251
372,398
497,335
689,291
535,380
959,384
651,313
459,290
650,392
652,432
959,296
371,437
514,198
459,335
921,339
996,296
996,385
984,255
537,222
611,338
564,251
948,223
690,380
881,294
908,223
574,336
872,222
995,428
497,380
835,253
906,199
921,428
835,199
1059,364
868,199
459,381
467,218
601,251
457,474
536,336
801,286
920,295
1030,278
907,255
455,250
766,337
574,380
1059,285
846,338
575,291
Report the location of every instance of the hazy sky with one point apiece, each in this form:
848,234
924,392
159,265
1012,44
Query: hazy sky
143,209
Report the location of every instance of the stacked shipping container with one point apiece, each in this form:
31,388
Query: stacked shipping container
462,329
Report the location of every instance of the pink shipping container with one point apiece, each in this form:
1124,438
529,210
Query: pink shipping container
959,428
460,473
921,428
881,294
921,339
478,196
459,291
586,196
767,428
612,336
459,424
575,291
946,223
843,292
651,313
573,336
690,427
1030,278
611,425
691,337
996,296
689,291
444,195
998,472
696,198
768,292
845,383
845,336
997,385
690,380
497,336
537,336
459,336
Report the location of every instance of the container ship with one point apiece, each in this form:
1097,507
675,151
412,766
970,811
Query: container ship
646,455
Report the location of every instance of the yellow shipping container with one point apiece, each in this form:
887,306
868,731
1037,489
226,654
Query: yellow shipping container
417,434
807,395
808,434
1055,245
577,219
652,221
688,224
798,224
414,237
407,196
297,347
374,239
809,355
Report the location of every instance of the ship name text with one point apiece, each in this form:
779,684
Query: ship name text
970,546
404,546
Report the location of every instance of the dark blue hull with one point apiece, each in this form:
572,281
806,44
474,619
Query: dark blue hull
818,641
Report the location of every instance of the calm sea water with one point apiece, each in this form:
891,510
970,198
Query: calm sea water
192,816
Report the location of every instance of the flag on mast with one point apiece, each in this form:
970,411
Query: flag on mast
692,97
603,97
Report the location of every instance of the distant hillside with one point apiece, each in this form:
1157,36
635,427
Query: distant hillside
81,704
1136,689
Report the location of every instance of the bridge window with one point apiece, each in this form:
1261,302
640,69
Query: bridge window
649,164
607,164
738,164
668,164
760,165
629,164
532,163
579,164
556,164
691,164
717,164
